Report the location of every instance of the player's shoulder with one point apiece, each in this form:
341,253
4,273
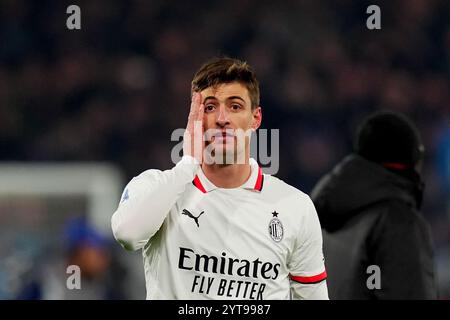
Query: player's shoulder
145,177
293,203
282,189
149,173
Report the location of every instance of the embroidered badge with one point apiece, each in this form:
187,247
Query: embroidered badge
276,228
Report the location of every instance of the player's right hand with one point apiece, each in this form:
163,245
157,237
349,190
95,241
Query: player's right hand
193,143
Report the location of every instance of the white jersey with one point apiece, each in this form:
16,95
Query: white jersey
259,241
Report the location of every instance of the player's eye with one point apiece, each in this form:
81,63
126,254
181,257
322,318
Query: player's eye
236,106
209,107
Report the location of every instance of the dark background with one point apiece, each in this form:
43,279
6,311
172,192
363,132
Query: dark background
116,89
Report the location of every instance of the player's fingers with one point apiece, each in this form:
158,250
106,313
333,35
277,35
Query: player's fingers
192,103
200,108
194,107
201,111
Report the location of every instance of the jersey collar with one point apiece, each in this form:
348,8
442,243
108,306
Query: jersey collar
255,182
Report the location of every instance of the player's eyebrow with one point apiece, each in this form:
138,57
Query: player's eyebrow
235,97
209,98
229,98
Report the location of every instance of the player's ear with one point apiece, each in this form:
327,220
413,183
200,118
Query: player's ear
257,118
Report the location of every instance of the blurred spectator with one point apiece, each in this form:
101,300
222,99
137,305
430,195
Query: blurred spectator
100,279
443,158
368,207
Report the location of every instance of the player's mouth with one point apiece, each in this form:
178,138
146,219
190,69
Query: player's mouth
223,137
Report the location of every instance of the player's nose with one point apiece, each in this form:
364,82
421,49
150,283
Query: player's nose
222,118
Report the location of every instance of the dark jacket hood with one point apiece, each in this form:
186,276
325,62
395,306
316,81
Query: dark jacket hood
356,183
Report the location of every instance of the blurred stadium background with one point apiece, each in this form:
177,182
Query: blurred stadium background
83,111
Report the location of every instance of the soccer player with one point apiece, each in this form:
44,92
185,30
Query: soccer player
222,229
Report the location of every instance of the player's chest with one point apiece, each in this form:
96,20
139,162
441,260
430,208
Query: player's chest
244,226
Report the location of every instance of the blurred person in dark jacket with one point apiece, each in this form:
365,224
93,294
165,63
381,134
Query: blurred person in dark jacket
368,207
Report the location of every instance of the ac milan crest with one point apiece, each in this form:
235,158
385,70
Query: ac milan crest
276,228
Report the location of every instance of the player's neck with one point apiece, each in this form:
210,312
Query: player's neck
227,175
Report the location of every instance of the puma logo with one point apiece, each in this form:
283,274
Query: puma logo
190,215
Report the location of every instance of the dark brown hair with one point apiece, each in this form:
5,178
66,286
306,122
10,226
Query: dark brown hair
225,70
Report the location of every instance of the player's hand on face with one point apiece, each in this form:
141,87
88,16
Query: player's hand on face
193,137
